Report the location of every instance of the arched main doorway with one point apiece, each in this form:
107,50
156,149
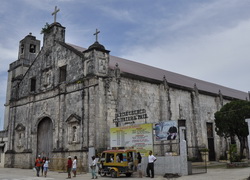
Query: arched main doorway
45,137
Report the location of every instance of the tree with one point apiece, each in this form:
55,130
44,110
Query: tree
230,121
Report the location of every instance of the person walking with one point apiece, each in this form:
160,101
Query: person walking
74,166
150,167
93,167
139,164
43,161
46,166
38,164
69,167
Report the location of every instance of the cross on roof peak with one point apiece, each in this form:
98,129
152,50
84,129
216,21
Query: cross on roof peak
96,35
55,12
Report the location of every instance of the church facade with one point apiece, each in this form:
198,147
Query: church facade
63,99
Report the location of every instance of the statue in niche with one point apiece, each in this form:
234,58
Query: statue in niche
90,67
73,129
102,66
74,134
20,135
20,140
46,78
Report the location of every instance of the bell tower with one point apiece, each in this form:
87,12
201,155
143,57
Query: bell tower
29,48
96,59
53,32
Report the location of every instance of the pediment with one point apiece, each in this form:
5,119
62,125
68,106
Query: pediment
20,127
73,118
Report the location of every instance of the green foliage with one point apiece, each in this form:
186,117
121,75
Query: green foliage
234,157
223,157
204,150
230,120
193,159
46,28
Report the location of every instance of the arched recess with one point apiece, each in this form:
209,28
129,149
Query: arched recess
73,129
45,137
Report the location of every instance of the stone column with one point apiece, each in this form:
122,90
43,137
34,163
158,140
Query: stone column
248,137
197,128
183,152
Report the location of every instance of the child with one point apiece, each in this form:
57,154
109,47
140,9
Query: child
46,166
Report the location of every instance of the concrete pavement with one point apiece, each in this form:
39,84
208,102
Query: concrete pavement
212,174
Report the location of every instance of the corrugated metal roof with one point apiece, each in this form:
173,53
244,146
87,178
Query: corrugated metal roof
143,70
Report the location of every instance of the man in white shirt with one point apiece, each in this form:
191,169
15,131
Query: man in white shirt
93,167
150,167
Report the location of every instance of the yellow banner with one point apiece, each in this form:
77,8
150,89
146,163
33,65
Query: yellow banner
139,137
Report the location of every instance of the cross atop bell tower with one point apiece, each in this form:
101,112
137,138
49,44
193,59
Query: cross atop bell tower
55,12
96,35
53,32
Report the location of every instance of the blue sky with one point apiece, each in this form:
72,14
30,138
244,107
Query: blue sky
208,40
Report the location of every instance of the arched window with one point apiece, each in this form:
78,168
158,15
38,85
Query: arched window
32,48
22,49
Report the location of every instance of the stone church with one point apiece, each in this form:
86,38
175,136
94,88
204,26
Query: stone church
62,100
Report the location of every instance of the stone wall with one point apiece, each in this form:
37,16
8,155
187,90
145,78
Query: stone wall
99,104
3,146
88,100
24,160
164,104
59,161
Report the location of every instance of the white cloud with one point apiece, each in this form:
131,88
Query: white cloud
208,40
3,82
119,14
219,57
7,56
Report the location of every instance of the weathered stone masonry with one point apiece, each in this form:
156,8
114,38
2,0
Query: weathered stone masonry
63,102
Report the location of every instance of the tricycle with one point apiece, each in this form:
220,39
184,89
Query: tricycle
117,162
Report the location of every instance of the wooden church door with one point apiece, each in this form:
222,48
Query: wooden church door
45,138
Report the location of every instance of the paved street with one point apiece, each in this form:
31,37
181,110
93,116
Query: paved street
212,174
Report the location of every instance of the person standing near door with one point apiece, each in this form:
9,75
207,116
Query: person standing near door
43,161
150,167
38,164
46,166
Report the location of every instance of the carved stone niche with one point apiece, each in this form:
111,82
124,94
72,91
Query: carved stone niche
90,67
20,135
102,65
73,129
47,78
